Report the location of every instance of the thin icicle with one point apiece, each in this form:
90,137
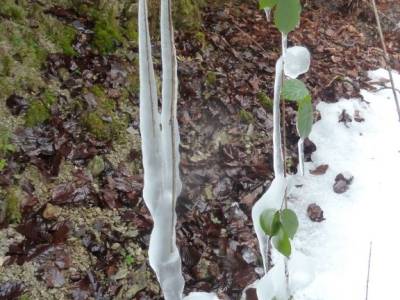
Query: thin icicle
300,146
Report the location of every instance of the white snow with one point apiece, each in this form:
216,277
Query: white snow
338,248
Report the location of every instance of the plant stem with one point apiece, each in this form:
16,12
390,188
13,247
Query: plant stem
369,269
386,56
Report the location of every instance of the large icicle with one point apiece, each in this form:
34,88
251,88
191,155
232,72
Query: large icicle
160,142
274,195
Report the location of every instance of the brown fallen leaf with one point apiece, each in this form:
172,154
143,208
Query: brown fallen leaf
342,182
320,170
315,213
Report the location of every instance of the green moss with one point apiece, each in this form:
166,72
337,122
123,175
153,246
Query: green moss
132,30
105,130
64,36
211,78
10,9
13,206
36,114
105,105
187,15
201,38
265,101
107,35
246,116
39,110
24,297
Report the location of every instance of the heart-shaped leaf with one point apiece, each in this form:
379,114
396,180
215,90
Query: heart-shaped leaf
287,15
289,222
294,90
267,3
270,221
281,242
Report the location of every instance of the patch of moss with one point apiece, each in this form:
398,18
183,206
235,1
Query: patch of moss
10,9
211,78
246,116
13,206
105,128
201,38
132,30
107,34
265,101
188,15
39,110
64,36
36,114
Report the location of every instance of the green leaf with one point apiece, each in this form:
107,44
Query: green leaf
281,242
289,222
267,3
269,221
294,90
287,15
305,117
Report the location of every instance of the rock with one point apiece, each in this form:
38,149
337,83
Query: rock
315,213
51,212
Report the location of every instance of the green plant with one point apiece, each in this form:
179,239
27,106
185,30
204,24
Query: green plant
129,260
295,90
286,13
281,226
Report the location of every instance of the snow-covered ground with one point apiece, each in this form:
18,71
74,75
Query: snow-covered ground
369,212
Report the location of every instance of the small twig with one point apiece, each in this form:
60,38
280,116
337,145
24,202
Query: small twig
386,88
249,37
369,269
386,56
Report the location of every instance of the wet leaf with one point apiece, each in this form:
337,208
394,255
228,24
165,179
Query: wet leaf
294,90
270,221
289,222
282,243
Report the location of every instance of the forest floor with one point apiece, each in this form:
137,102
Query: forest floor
72,221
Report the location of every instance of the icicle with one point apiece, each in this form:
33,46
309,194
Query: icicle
300,146
159,150
273,197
